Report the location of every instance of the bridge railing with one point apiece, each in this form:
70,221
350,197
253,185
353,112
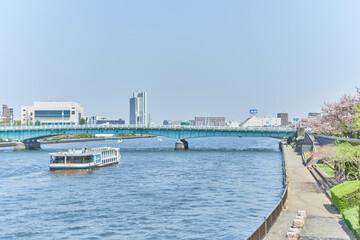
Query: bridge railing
106,126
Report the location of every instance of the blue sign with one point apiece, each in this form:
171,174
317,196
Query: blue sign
253,111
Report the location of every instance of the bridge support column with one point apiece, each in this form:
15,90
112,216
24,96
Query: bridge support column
27,145
181,145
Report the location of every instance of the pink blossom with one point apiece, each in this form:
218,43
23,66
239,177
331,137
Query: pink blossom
336,118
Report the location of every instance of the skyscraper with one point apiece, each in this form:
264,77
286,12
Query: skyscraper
284,118
138,109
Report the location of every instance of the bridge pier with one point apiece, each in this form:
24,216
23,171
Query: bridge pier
181,144
27,145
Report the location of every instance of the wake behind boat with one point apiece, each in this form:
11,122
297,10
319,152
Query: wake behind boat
84,160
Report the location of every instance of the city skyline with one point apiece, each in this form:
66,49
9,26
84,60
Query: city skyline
193,58
138,105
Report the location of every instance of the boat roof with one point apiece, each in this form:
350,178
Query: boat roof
83,152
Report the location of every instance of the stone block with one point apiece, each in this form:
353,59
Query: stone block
291,235
295,230
298,223
302,213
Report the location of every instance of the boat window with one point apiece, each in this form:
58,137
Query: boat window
79,159
57,159
87,159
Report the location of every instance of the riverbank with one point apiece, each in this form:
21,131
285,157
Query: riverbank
323,221
69,140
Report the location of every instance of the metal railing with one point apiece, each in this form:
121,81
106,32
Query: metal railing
95,126
269,221
313,149
352,195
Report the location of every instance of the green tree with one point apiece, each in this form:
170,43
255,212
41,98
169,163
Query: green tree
357,152
348,161
82,121
37,123
357,119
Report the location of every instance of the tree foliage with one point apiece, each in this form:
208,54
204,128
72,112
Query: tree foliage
347,161
337,118
82,121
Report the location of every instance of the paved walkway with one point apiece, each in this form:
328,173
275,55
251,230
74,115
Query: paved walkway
323,221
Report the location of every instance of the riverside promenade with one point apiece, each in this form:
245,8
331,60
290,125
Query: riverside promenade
323,221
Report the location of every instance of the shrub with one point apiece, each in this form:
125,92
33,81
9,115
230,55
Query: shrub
84,136
300,138
339,192
350,216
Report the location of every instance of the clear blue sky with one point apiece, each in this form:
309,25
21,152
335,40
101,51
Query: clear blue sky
192,57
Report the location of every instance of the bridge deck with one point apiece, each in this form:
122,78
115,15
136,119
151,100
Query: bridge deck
22,133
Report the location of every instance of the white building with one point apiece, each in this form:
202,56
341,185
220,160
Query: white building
261,122
233,124
138,109
52,113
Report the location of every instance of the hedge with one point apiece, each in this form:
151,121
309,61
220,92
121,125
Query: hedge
350,216
339,192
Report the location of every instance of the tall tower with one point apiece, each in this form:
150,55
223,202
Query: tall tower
284,118
138,109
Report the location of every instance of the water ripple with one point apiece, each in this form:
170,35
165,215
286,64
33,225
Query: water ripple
220,189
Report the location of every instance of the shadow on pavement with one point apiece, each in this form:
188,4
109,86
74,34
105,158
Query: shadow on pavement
331,208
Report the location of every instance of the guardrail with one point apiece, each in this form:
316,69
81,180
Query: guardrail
352,195
313,149
323,139
268,222
280,129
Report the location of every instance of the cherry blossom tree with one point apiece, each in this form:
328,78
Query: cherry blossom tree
336,118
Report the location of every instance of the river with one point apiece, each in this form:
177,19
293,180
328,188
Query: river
221,188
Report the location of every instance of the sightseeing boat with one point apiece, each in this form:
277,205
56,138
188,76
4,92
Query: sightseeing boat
84,160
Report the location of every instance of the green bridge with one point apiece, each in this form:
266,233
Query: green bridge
27,135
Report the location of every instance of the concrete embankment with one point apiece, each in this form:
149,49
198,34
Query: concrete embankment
69,140
323,220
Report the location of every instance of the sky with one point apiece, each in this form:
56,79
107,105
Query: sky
193,58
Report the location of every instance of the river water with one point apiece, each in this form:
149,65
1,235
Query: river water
221,188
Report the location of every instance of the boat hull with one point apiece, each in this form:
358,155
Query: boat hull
72,168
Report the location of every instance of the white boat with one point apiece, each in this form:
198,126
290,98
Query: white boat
84,160
120,140
160,140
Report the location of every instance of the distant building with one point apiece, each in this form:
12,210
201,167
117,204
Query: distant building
109,121
209,121
284,118
261,122
233,124
172,123
138,109
7,113
313,114
92,119
52,113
